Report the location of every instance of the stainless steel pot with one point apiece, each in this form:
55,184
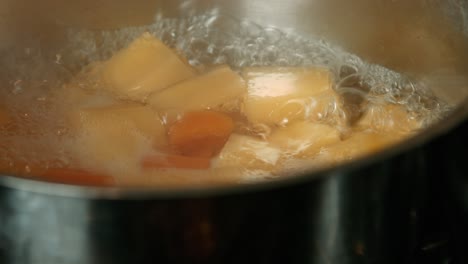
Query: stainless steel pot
368,211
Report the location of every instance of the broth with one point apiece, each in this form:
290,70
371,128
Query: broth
222,102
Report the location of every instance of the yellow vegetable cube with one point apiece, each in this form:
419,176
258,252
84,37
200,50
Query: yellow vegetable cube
72,96
281,95
144,67
209,90
388,118
141,119
115,138
357,145
304,138
248,152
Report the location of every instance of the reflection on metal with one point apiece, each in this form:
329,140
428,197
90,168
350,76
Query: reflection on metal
328,239
36,229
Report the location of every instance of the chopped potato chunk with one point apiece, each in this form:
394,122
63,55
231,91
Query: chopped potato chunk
144,67
304,138
143,119
388,118
248,152
280,95
73,95
209,90
117,135
358,145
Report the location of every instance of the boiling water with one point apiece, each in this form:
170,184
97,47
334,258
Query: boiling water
32,80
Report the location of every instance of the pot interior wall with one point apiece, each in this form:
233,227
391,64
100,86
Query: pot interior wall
415,37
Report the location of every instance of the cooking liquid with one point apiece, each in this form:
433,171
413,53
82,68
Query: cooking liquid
35,85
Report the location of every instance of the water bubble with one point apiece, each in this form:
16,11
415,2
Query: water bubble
17,86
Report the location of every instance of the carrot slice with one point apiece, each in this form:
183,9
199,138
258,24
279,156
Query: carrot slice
58,175
4,116
200,133
160,161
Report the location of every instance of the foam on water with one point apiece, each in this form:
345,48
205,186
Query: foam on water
216,39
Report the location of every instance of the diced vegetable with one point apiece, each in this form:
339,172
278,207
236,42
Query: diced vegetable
141,119
209,90
304,138
248,152
358,145
389,118
144,67
200,133
74,95
116,137
280,95
164,161
58,175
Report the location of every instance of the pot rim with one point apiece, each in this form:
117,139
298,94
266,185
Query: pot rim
457,117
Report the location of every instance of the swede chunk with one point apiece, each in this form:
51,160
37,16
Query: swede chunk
281,95
248,152
209,90
146,66
115,138
304,138
357,145
389,118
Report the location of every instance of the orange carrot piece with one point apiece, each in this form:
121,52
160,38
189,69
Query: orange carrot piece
4,116
200,133
160,161
76,177
58,175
